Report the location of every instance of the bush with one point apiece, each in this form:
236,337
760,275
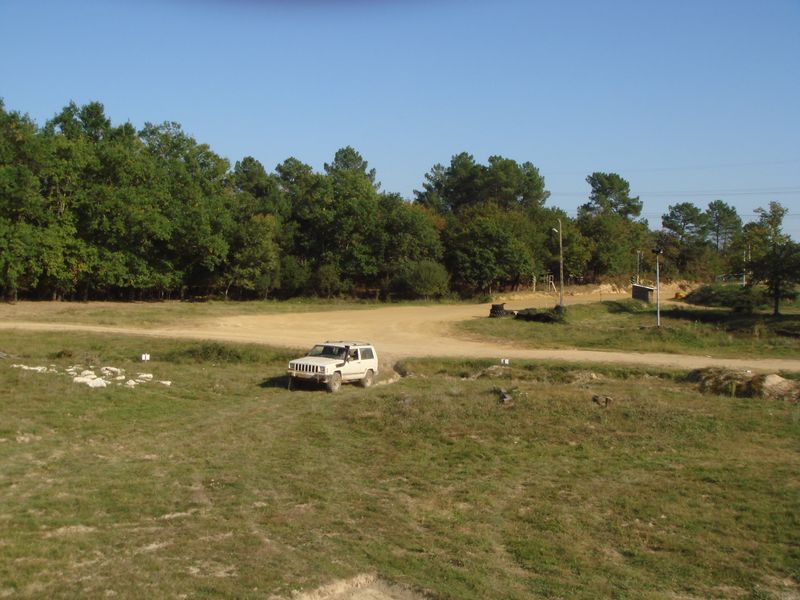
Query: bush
740,299
327,280
553,315
422,279
214,352
295,277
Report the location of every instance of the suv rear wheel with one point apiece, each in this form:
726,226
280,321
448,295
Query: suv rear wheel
335,382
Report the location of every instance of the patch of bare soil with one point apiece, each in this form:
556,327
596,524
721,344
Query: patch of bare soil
360,587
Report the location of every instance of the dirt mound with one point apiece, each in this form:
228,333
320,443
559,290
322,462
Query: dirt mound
360,587
745,384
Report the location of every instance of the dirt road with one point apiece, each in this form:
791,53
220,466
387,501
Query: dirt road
401,331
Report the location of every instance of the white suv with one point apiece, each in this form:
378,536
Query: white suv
334,363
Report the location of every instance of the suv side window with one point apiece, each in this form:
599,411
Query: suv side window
366,354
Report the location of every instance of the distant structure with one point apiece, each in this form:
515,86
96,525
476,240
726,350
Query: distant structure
642,292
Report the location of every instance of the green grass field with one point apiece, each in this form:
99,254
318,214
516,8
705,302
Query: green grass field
225,484
631,326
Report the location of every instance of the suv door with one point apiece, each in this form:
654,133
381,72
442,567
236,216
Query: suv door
354,367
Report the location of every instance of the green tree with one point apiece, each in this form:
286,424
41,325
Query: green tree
607,222
355,231
312,212
328,280
254,262
611,193
577,249
684,239
409,235
483,251
685,222
423,279
511,185
194,184
432,195
295,276
263,194
348,159
724,224
464,183
776,258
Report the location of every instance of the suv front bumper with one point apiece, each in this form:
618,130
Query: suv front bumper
305,376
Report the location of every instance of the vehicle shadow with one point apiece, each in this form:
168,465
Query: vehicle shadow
278,381
281,382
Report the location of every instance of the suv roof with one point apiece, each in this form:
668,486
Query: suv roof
346,343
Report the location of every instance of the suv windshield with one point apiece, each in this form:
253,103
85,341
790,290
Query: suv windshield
327,351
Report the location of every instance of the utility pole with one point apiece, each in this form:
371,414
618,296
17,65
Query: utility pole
560,265
746,259
638,262
657,252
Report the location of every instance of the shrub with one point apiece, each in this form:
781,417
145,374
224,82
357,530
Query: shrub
328,282
214,352
422,279
740,299
295,277
553,315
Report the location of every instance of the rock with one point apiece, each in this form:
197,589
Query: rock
27,368
583,377
92,382
775,387
745,384
602,401
506,397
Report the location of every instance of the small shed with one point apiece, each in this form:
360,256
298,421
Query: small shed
642,292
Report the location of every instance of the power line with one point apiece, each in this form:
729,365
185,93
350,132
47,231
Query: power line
708,167
777,191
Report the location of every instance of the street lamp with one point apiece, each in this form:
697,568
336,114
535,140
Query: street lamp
560,265
658,252
638,261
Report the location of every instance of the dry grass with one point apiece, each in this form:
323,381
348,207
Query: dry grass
631,326
151,314
227,485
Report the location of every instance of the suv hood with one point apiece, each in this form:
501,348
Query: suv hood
318,360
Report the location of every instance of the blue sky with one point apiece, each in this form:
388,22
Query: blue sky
688,100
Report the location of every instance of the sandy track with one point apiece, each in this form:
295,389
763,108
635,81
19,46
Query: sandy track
402,331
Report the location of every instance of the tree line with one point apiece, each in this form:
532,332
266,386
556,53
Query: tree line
92,210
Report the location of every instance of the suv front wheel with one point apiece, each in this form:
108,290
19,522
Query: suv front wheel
368,380
335,382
